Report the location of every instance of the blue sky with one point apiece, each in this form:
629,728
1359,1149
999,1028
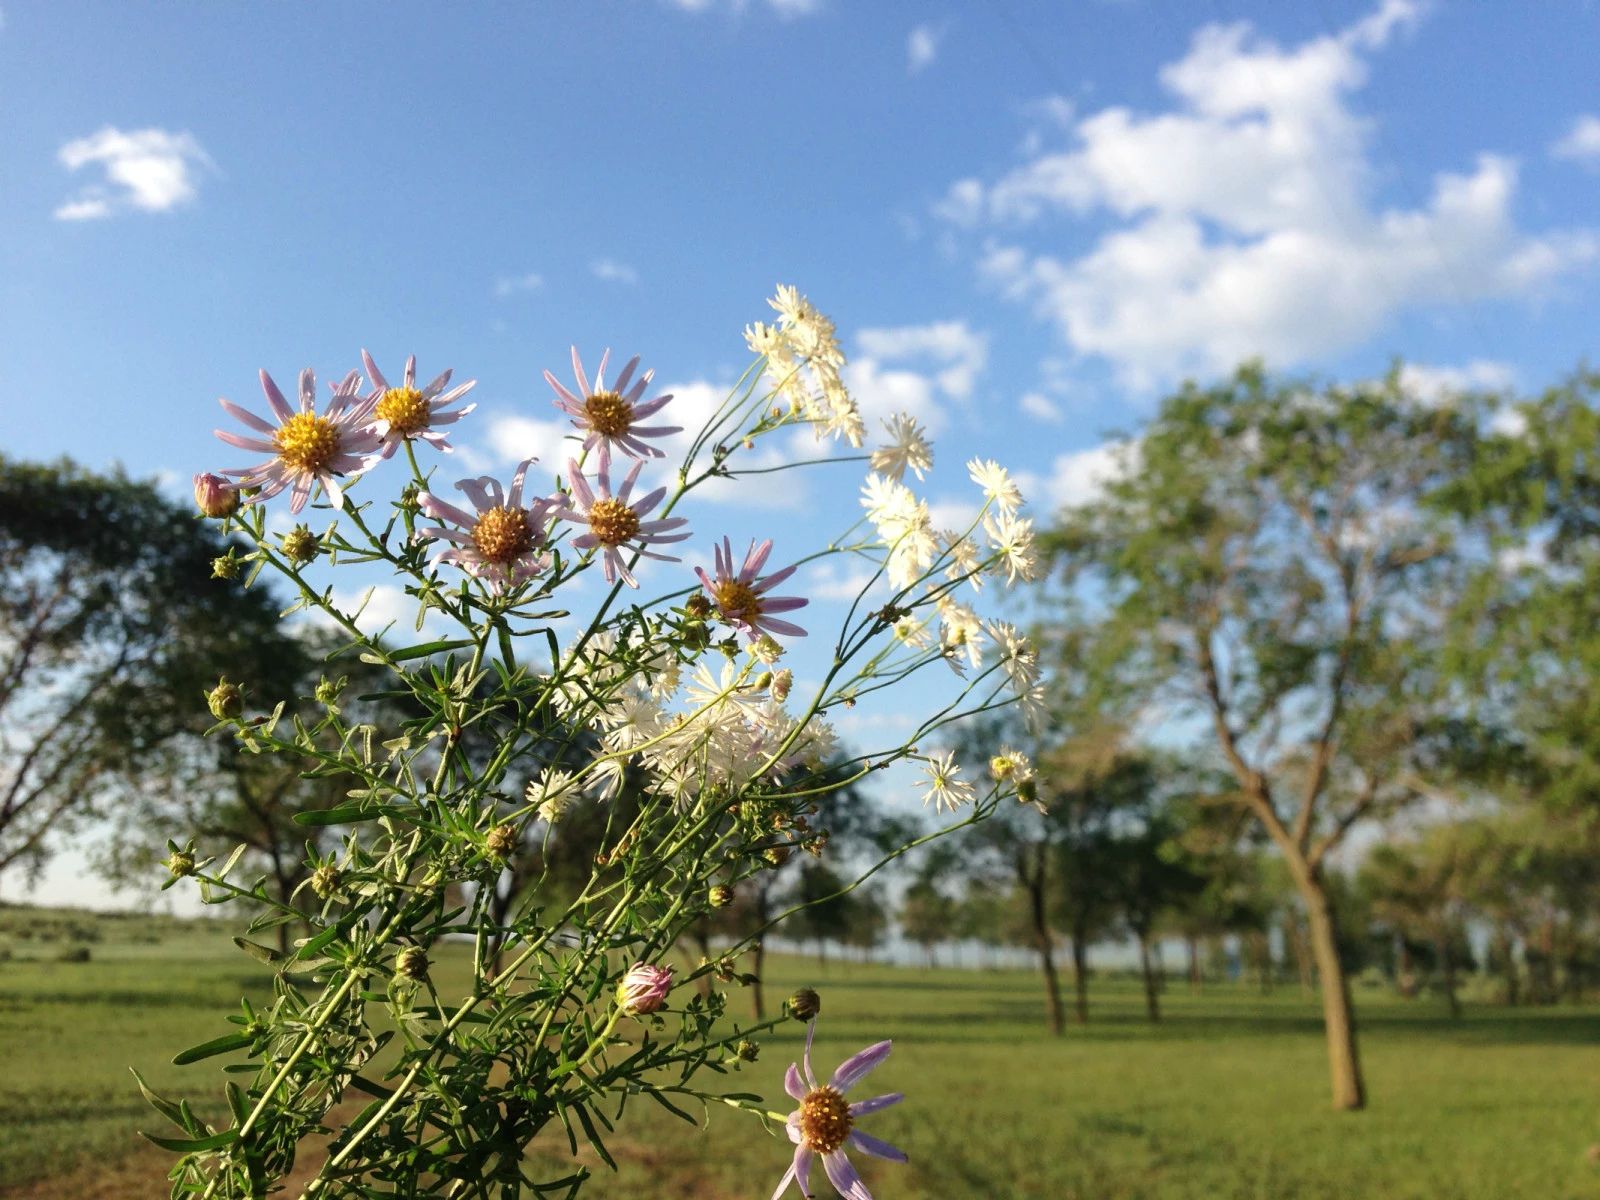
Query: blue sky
1028,219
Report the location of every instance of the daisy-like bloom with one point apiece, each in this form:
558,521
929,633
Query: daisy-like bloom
614,524
1011,537
741,596
644,989
609,416
553,792
908,449
307,447
812,334
1017,655
960,633
824,1124
406,412
502,541
996,483
943,786
1012,765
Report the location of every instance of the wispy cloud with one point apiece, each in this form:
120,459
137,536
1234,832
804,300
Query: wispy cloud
510,285
1040,407
612,271
922,47
1581,143
146,170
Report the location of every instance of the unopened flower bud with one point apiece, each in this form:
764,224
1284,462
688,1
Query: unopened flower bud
721,896
644,989
775,856
215,496
1028,792
226,700
325,880
747,1051
804,1004
411,963
698,607
327,693
226,567
300,546
502,840
179,863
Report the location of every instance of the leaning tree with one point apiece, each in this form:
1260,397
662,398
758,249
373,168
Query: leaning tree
1272,562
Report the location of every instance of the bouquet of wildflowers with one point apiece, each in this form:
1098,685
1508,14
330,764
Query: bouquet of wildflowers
675,718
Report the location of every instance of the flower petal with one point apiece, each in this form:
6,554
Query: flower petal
876,1147
862,1107
843,1176
856,1068
793,1084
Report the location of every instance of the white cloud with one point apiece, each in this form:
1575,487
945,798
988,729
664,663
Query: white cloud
149,170
958,352
827,582
612,271
510,285
1040,407
1433,384
922,47
1243,221
1581,143
1077,477
381,607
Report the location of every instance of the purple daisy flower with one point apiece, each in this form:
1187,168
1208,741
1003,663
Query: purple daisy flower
306,448
610,416
502,542
406,412
614,524
824,1122
741,598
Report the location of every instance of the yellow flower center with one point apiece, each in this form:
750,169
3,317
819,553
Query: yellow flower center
502,535
613,522
307,442
737,600
608,413
404,409
824,1120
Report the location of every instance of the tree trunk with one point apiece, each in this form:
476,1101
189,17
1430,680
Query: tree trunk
1080,975
1338,1018
1043,939
1152,1002
1505,951
1447,967
1192,946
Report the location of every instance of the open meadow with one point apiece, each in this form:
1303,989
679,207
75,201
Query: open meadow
1225,1098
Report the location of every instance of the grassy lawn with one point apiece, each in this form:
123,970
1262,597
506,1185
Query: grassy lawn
1226,1098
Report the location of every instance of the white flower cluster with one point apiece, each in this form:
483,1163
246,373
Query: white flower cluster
711,730
803,363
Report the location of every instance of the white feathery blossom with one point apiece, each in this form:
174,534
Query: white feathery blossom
1011,538
996,483
963,556
553,792
1018,657
907,449
942,785
960,633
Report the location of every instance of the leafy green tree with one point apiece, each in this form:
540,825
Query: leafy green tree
112,629
1276,566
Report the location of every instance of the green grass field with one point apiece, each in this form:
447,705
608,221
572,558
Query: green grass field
1226,1098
